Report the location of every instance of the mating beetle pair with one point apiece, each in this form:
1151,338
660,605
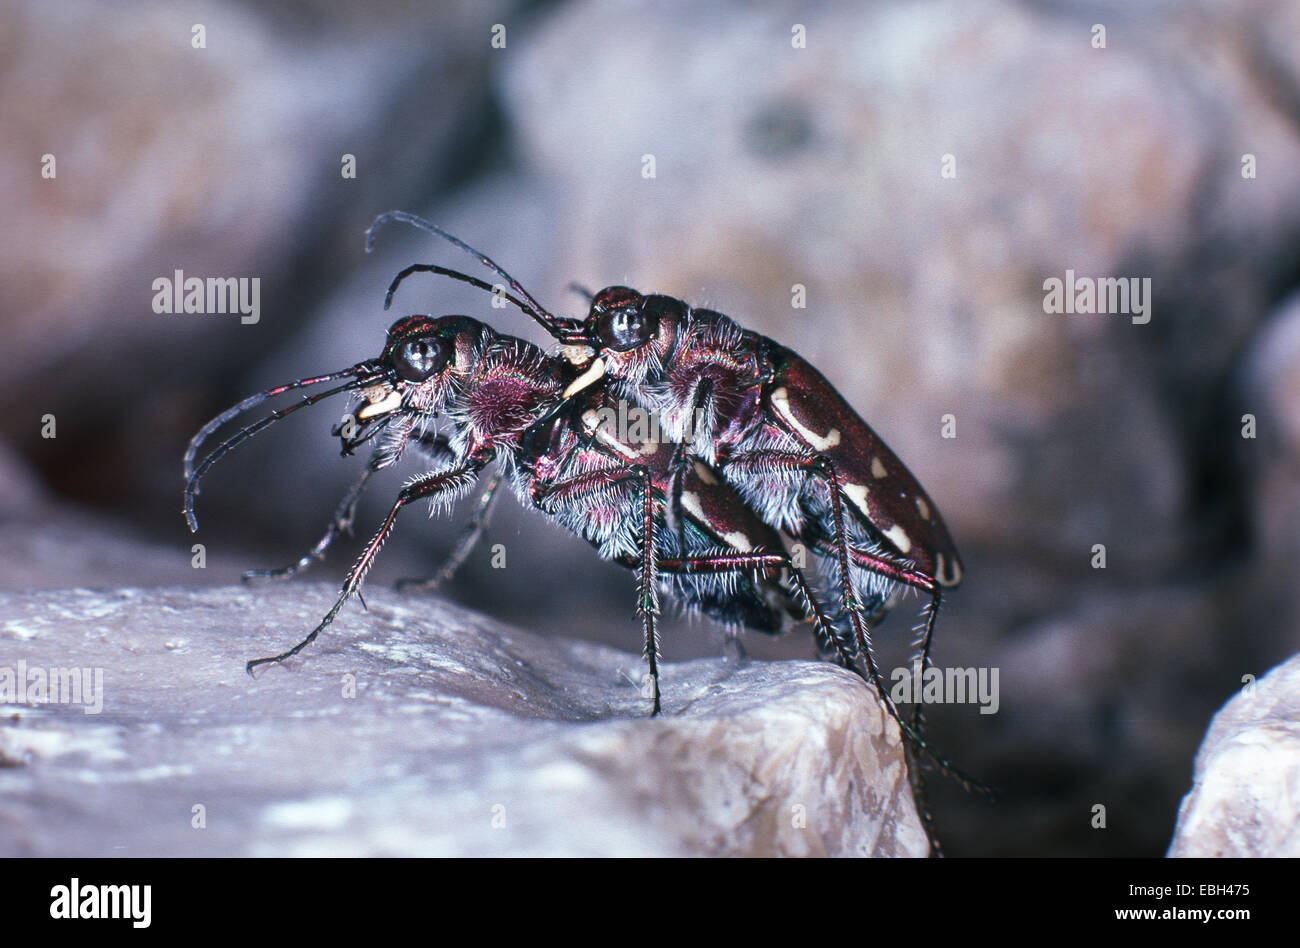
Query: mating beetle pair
507,402
758,444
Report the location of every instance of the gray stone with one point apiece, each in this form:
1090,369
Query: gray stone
464,737
1247,781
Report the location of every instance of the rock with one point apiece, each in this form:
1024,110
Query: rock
417,729
1247,780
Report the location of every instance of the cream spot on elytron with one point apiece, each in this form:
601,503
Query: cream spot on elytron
857,495
898,536
591,421
781,401
877,469
923,508
703,473
691,502
739,541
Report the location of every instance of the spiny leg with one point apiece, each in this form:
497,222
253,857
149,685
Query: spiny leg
676,479
862,632
918,724
778,462
914,733
599,484
821,626
677,463
436,447
785,462
867,560
441,485
196,474
927,640
469,538
647,595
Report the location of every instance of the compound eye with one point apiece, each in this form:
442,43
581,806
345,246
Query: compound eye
626,327
417,359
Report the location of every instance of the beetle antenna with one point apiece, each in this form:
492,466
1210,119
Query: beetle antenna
195,474
572,328
550,322
254,400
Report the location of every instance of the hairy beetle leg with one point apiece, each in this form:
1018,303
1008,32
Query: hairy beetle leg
469,538
446,483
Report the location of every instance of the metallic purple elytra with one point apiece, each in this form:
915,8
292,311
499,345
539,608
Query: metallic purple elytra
506,401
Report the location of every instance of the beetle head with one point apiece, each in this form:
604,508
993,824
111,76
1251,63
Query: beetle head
631,334
425,360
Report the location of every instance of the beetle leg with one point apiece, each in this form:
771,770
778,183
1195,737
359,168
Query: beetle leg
677,464
819,465
572,491
344,515
676,478
647,595
443,485
871,561
581,488
469,538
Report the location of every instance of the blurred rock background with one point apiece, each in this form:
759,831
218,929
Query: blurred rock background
793,143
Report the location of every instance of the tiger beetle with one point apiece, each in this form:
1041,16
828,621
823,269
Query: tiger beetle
552,438
776,430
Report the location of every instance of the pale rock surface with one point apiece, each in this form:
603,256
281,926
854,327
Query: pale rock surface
1245,798
464,738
